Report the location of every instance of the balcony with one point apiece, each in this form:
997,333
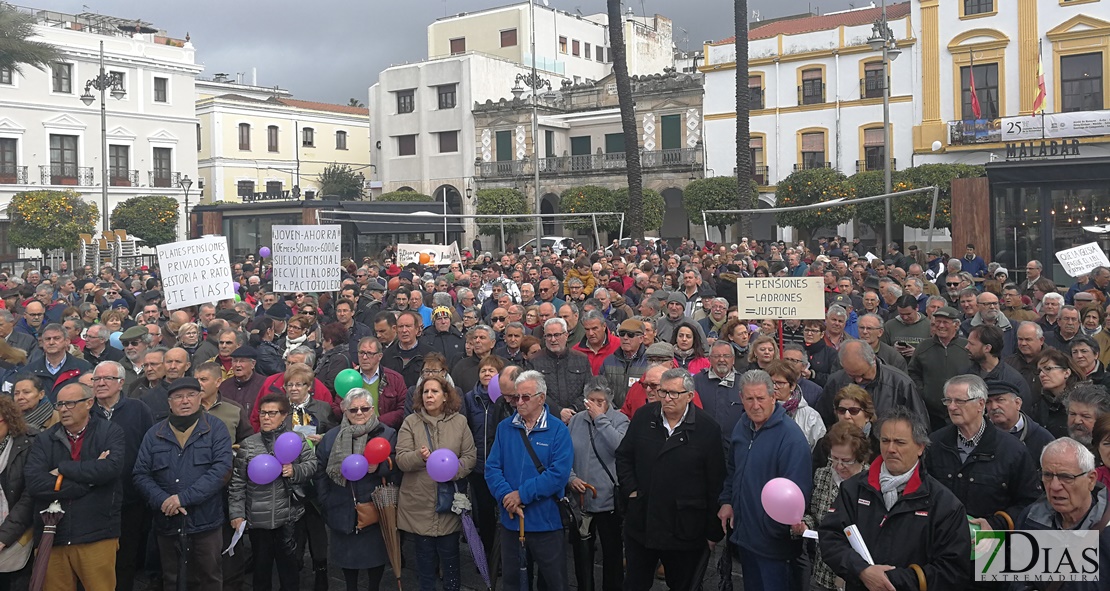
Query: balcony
123,178
811,94
11,174
874,164
810,165
683,158
755,98
66,174
759,175
164,178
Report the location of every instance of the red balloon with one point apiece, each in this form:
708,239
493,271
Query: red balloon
394,283
377,450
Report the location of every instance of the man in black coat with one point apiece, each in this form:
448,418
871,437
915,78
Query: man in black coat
406,355
887,386
565,370
668,442
1004,410
444,338
56,367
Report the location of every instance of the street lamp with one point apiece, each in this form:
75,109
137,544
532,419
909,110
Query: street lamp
535,82
186,183
882,38
102,82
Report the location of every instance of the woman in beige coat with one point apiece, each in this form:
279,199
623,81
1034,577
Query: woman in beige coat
434,424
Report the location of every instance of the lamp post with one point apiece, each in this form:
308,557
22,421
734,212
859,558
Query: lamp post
103,82
882,38
534,82
186,183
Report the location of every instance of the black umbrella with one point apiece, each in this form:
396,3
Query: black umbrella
582,549
522,556
182,553
699,570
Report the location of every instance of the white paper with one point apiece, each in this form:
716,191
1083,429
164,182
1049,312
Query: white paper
230,551
809,533
195,272
305,430
856,540
306,258
870,257
1081,260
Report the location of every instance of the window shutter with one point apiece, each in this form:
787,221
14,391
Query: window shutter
813,142
873,137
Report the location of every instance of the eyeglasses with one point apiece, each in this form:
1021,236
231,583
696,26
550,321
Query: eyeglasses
135,343
522,398
811,330
296,384
650,385
1047,477
432,372
852,411
358,410
368,353
672,393
629,334
989,304
498,318
959,401
780,384
846,463
554,335
1049,368
68,404
270,413
183,396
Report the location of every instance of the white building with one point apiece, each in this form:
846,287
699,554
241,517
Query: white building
49,139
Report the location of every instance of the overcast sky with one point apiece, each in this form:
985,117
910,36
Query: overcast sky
332,50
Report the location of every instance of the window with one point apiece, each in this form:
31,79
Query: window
813,150
562,44
755,92
446,96
198,137
548,143
986,90
872,80
581,146
119,163
671,126
600,51
63,159
614,143
8,160
586,51
6,76
508,38
504,147
245,188
406,145
448,142
273,188
978,7
161,87
61,76
406,101
244,136
759,170
575,48
272,138
162,167
813,87
308,137
1081,82
340,140
458,46
873,149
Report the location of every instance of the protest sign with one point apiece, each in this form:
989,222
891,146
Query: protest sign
306,258
1081,259
439,254
781,298
195,272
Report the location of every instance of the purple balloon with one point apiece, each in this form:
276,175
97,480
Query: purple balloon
495,388
235,285
287,448
443,465
264,469
354,467
264,252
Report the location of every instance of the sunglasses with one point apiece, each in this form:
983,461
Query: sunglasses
309,312
851,411
629,334
498,318
358,410
957,284
134,343
513,399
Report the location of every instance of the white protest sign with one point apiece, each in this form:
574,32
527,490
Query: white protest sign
1081,259
440,254
195,272
781,298
306,258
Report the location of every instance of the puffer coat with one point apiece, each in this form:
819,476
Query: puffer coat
416,506
268,506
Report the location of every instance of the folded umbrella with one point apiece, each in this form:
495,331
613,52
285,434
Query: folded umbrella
474,542
50,518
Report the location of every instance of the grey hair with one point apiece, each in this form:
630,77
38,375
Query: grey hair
719,301
463,292
646,320
653,303
1083,456
836,310
593,314
472,310
492,334
1091,395
723,343
598,384
676,373
976,387
56,327
44,288
535,377
550,321
600,290
1036,327
440,298
6,316
756,377
882,323
1055,296
120,372
894,290
954,264
917,425
309,354
354,393
516,325
1037,263
915,281
574,281
865,351
936,298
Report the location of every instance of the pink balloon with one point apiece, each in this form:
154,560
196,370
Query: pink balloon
287,448
495,388
783,501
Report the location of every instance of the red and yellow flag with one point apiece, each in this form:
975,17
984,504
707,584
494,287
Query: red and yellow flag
1040,93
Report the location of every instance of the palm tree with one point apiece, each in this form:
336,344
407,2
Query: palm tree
635,215
743,136
354,102
16,27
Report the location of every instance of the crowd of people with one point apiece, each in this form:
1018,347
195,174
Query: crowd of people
613,401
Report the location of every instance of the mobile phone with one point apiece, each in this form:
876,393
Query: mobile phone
901,343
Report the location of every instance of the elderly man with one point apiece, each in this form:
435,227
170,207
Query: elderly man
480,339
939,357
719,388
599,342
1086,403
509,347
56,367
990,313
668,442
624,366
765,444
1014,309
991,473
570,314
183,464
565,370
1033,271
135,342
1067,328
897,499
984,346
18,339
34,314
887,386
244,384
406,355
1004,411
444,338
1030,343
527,471
153,378
1051,305
871,331
715,321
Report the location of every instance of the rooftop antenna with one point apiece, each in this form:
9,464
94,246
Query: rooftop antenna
685,39
755,16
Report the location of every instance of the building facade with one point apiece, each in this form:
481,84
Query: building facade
49,139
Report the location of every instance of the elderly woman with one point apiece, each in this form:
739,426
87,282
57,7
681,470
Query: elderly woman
271,510
849,454
762,352
30,397
787,392
16,517
852,404
188,337
435,424
353,548
595,435
1091,322
823,360
113,319
297,333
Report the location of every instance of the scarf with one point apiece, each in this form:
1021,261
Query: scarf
351,439
892,486
291,344
182,423
38,416
1088,332
717,326
791,404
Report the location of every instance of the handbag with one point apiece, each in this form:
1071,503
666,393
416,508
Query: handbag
566,512
14,557
445,491
366,513
616,486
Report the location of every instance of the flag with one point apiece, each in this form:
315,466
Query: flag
975,109
1040,94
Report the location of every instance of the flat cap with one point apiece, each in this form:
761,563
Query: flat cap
185,383
245,352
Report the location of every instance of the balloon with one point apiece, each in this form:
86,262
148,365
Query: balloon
347,379
425,258
235,285
114,340
783,501
264,252
354,467
495,388
287,448
264,469
443,465
238,298
377,450
394,283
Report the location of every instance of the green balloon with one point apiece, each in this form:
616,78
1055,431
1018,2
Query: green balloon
347,379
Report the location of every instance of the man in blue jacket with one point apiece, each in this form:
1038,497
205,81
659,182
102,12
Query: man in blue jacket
527,471
183,463
766,444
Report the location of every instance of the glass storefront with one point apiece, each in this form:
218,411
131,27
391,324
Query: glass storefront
246,234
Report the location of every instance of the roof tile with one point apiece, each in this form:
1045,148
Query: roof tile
823,22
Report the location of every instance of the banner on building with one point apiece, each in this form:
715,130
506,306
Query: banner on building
307,258
195,272
1056,126
1082,259
437,254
